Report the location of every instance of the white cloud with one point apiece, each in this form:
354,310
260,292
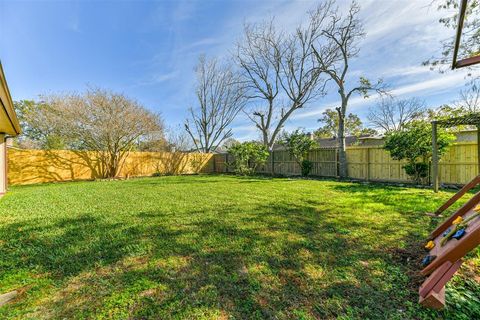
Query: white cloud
201,43
384,19
414,70
164,76
157,78
438,84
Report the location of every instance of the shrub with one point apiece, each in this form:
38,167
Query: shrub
414,144
417,171
298,145
247,156
306,167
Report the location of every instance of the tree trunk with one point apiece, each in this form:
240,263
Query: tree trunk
342,152
265,140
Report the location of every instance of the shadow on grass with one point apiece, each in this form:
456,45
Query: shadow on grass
278,261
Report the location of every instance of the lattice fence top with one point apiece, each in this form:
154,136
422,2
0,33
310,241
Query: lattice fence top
472,119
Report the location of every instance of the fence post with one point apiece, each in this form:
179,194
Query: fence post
337,163
214,162
368,163
273,162
478,149
434,157
226,163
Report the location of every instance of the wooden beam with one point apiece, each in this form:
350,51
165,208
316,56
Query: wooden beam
433,279
461,18
478,149
460,212
467,62
439,278
457,251
434,300
434,157
475,181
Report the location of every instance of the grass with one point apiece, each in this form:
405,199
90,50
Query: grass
221,247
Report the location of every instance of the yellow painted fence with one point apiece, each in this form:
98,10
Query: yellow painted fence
457,166
35,166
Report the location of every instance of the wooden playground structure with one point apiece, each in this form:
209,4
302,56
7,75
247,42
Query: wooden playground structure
448,244
460,233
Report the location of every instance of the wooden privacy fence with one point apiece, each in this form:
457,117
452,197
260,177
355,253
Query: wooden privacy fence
369,163
324,163
35,166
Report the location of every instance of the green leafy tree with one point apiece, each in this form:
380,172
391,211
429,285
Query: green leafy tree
470,41
414,144
445,112
330,121
247,156
298,145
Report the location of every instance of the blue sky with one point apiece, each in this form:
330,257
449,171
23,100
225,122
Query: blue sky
148,50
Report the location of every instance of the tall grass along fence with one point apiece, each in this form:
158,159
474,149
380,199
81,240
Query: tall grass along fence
35,166
369,163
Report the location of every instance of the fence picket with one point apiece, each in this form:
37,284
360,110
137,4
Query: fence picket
373,163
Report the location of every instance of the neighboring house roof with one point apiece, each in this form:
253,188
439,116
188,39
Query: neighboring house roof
469,135
332,142
8,119
350,141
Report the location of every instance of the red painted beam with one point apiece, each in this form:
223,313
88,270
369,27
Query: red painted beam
467,62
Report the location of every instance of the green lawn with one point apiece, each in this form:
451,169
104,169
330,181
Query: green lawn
221,247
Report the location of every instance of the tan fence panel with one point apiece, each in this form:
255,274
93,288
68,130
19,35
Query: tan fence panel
285,164
372,163
459,164
384,168
35,166
220,161
324,162
357,166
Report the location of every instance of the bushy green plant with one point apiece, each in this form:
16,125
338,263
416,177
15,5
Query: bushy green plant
306,167
298,144
417,171
247,156
414,144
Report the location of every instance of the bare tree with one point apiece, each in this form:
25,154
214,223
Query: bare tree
469,101
280,71
175,160
342,36
221,96
390,114
178,140
100,120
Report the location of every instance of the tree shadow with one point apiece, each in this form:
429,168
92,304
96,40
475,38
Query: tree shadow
278,260
36,166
